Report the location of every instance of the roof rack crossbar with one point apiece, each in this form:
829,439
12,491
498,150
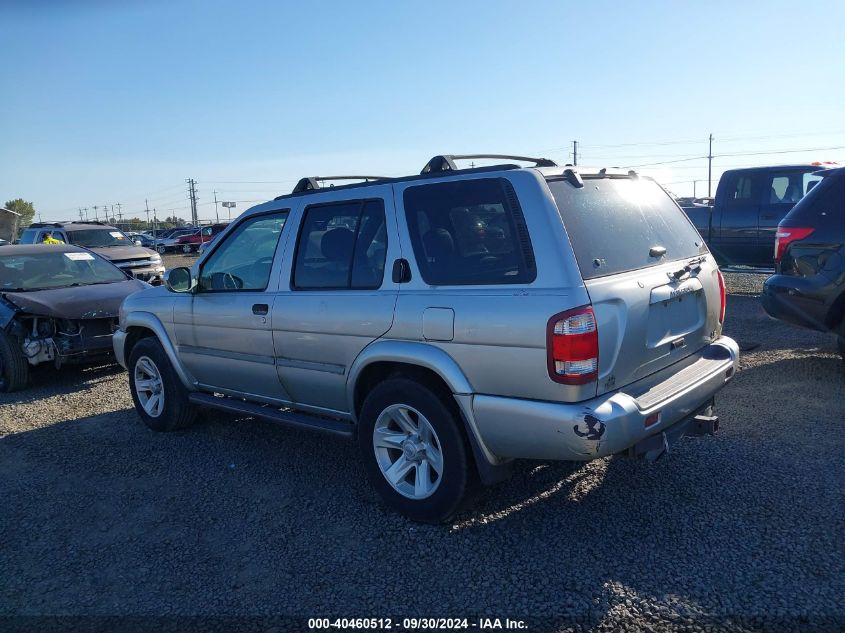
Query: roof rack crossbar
446,162
312,183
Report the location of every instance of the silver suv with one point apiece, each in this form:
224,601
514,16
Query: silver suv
451,321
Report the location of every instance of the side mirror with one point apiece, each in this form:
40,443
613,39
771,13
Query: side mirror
138,243
179,280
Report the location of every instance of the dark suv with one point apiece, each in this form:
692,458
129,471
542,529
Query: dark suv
105,240
808,288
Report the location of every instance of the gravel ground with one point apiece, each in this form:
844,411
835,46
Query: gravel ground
743,530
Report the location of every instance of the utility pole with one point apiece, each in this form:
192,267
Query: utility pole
217,215
119,214
80,214
575,153
95,212
192,192
710,168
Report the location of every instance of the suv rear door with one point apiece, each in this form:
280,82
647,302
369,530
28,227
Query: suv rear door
654,290
337,298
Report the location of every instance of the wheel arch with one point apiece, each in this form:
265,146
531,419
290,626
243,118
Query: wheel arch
438,370
141,325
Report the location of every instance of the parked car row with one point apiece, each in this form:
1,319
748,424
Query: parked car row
452,321
103,239
740,226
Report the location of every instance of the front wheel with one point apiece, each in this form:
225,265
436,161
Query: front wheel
414,450
160,397
14,368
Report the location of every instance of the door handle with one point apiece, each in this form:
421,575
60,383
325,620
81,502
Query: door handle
260,309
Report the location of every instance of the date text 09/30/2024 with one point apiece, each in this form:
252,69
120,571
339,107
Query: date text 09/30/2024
416,624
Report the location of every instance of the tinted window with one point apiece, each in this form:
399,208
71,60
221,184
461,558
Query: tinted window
469,232
613,223
824,203
742,189
97,238
342,246
244,259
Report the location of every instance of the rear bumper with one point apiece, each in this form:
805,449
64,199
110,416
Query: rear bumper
794,300
612,423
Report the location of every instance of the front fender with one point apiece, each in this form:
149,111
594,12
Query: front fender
151,322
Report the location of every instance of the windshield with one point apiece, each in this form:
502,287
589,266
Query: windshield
98,238
613,223
50,269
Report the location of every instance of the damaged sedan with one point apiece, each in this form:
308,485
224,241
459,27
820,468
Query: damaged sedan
58,304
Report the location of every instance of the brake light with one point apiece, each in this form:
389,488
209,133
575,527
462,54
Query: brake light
785,236
572,346
723,299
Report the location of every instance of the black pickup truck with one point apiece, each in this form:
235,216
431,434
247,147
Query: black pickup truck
740,227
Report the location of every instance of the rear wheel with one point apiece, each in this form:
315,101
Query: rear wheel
160,397
14,368
414,450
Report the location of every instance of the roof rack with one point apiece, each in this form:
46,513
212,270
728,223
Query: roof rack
88,222
446,162
41,225
313,183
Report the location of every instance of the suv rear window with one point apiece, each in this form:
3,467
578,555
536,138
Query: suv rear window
824,204
469,232
613,223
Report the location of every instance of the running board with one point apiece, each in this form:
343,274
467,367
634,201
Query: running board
271,414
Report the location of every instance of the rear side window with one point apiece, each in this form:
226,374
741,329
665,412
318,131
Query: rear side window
614,222
824,204
469,232
342,246
788,187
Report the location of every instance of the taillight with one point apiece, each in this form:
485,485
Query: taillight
572,345
723,300
786,235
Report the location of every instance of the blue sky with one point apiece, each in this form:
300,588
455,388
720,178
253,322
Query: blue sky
107,102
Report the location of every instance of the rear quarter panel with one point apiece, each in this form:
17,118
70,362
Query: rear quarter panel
499,331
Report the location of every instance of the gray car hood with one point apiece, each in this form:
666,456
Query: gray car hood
82,302
124,252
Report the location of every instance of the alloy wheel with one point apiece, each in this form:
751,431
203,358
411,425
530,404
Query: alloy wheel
408,451
149,386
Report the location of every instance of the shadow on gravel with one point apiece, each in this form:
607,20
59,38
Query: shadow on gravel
45,382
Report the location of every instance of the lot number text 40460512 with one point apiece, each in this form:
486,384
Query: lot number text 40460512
416,624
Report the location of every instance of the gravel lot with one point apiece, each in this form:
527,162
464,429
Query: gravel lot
233,517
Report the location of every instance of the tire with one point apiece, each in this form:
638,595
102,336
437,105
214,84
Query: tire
150,367
161,249
418,434
14,368
187,249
